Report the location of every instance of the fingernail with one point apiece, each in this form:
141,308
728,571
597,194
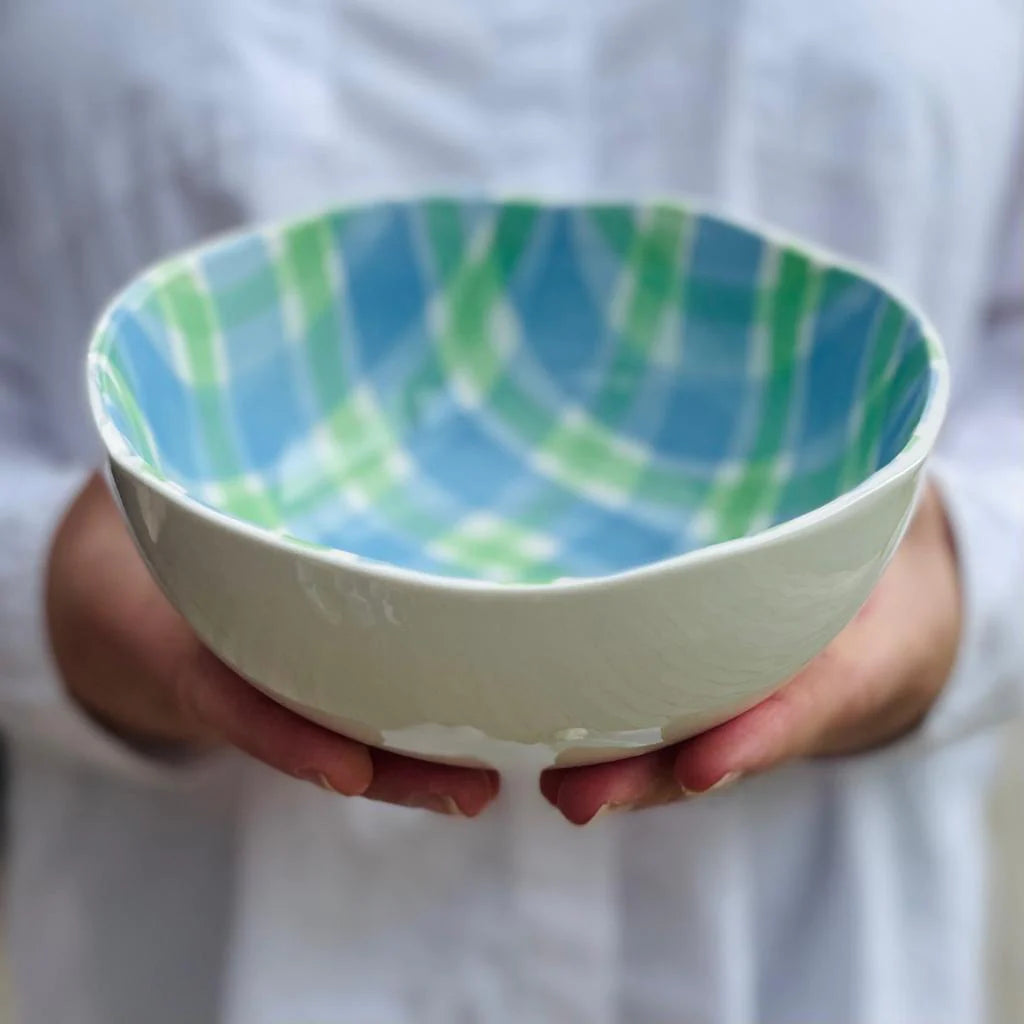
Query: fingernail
325,783
317,779
727,780
438,803
603,810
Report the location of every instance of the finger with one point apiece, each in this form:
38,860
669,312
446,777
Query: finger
821,708
875,681
445,789
550,782
869,686
584,792
847,699
247,719
780,727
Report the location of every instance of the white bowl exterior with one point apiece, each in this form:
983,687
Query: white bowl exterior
518,676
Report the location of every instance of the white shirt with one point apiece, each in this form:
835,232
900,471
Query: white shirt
847,892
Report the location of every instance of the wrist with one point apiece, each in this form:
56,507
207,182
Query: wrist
114,639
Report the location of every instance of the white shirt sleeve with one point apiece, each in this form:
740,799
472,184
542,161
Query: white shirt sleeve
979,468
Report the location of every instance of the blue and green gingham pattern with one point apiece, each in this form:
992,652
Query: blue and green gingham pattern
510,391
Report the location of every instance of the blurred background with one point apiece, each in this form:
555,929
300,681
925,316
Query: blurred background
1006,959
1006,940
1006,943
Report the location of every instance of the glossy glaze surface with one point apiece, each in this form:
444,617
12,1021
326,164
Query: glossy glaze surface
511,483
511,392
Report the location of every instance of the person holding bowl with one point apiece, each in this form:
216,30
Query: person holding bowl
184,849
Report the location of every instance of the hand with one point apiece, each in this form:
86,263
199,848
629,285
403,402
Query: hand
133,663
870,686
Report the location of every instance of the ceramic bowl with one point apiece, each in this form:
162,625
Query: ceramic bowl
515,482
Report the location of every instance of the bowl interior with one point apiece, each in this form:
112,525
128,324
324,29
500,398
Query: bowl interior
510,391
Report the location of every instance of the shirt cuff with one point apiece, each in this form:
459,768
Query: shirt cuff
985,507
35,709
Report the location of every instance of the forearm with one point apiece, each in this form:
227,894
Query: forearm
34,708
102,669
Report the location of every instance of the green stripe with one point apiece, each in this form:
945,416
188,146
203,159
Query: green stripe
767,503
737,504
841,473
364,447
471,297
790,303
863,453
652,268
470,291
187,307
250,297
850,463
587,453
362,441
501,550
729,502
187,310
668,487
810,489
304,258
617,225
119,393
446,237
402,513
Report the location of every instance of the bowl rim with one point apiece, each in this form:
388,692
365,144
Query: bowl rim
905,463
